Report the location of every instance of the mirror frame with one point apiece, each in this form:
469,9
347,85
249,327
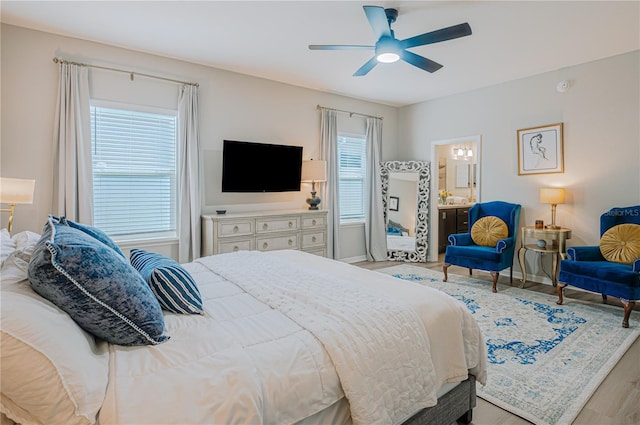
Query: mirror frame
423,168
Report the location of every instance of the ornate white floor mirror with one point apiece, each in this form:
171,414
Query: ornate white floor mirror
405,195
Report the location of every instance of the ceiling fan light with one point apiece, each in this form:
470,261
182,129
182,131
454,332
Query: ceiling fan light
388,57
387,50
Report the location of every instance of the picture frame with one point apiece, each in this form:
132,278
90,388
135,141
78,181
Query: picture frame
541,150
393,203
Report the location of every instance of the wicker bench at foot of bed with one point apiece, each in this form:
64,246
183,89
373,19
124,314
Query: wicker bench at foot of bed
455,406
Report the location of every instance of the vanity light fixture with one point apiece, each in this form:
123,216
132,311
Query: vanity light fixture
13,192
462,153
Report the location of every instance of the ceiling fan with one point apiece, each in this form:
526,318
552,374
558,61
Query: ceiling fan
388,49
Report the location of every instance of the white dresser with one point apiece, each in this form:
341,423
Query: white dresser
266,231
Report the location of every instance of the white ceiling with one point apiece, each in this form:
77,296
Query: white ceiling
268,39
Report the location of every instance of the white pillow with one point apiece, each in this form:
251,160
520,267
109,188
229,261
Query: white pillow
25,239
7,245
14,268
52,371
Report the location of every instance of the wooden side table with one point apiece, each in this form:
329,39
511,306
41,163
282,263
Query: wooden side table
557,249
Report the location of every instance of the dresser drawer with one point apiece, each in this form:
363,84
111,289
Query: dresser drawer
273,243
270,225
233,245
314,222
235,228
462,211
313,239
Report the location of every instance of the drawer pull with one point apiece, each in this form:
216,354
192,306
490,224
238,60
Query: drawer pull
313,239
265,245
235,229
290,242
313,222
265,226
291,224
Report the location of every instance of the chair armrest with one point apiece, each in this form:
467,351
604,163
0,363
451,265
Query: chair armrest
460,239
636,265
585,253
505,243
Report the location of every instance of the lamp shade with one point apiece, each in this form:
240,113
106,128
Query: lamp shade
16,191
552,195
314,171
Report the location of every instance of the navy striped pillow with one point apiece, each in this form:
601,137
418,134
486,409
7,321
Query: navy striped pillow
172,285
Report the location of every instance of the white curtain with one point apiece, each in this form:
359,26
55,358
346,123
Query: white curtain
374,226
72,171
189,175
329,149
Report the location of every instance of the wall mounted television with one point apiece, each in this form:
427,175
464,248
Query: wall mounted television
260,167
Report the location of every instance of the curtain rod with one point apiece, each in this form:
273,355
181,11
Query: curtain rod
348,112
131,73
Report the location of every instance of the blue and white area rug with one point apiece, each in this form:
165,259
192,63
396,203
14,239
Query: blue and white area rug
545,360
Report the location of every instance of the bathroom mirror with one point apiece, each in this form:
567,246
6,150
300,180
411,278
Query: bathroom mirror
405,196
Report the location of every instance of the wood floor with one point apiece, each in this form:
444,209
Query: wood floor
616,401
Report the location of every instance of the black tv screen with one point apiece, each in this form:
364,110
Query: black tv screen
260,167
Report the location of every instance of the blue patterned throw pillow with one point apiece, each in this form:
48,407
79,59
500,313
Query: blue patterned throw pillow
170,282
93,232
97,287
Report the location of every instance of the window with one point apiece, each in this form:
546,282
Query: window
351,169
134,172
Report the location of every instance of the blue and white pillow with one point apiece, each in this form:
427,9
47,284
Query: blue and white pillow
173,286
97,287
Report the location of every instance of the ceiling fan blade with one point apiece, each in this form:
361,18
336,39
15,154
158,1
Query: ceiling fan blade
420,61
378,20
339,47
444,34
368,66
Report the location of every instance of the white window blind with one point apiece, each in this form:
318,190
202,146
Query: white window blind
134,172
352,154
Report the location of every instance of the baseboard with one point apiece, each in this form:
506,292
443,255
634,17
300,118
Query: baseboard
351,260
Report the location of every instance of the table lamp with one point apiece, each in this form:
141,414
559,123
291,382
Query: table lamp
553,196
15,191
314,171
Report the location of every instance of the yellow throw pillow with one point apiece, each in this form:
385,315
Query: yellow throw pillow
488,230
621,243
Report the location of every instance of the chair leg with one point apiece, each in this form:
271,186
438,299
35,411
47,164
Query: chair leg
627,312
559,289
511,275
444,270
494,275
604,299
470,272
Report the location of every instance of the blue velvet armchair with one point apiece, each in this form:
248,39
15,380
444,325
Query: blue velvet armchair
586,268
463,252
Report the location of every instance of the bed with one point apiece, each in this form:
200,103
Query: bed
283,337
398,238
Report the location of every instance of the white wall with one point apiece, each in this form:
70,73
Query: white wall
600,113
232,106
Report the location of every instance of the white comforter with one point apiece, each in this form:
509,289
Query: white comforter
285,333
